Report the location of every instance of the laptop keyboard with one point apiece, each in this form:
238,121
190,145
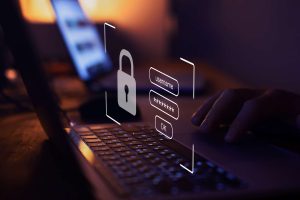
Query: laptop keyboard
144,162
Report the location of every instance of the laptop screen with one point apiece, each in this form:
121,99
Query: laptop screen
81,39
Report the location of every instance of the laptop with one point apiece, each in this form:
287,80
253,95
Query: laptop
92,63
134,161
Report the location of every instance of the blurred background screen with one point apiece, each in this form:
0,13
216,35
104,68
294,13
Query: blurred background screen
82,39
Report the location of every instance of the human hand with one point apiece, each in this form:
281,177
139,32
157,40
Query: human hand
244,109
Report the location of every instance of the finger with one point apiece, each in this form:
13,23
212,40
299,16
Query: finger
201,112
247,117
273,104
225,108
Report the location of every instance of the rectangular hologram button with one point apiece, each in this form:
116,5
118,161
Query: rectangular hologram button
164,104
164,81
164,127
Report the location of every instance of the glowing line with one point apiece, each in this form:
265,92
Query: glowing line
106,111
190,63
193,162
104,33
107,24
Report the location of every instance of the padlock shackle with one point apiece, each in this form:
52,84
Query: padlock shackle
126,53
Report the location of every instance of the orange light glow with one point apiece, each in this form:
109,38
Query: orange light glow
40,11
146,21
86,152
37,11
11,74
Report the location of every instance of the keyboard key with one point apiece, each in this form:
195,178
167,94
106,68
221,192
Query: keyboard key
126,135
159,148
104,134
96,128
115,162
125,174
132,158
143,169
171,169
161,139
116,145
149,155
92,140
172,156
104,153
86,133
210,164
100,148
142,136
151,174
133,143
220,170
138,133
109,157
81,129
127,139
152,144
110,137
156,160
120,168
89,137
148,140
165,152
126,153
114,129
111,141
120,132
143,151
163,164
138,146
137,163
98,144
130,128
176,175
121,149
179,161
140,159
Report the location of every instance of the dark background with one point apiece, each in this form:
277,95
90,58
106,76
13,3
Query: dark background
257,41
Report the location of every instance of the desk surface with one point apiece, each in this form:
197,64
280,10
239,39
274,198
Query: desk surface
29,167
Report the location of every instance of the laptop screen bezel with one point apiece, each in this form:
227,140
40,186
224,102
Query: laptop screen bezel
29,65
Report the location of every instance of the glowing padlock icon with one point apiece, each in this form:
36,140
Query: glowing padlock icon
126,85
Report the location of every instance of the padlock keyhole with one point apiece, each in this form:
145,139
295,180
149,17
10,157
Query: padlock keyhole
126,89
